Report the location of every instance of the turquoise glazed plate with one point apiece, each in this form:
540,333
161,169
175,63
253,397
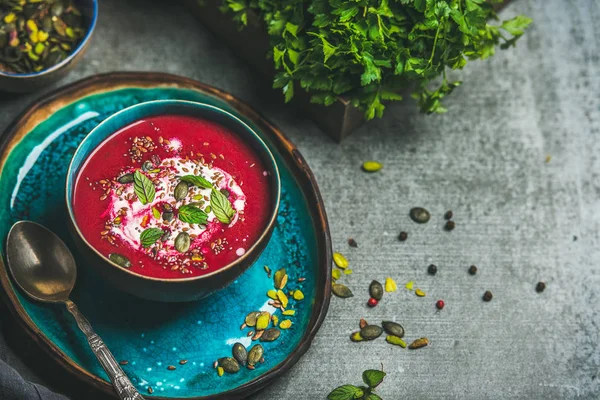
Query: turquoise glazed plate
168,350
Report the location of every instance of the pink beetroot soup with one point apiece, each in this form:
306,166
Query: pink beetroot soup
172,197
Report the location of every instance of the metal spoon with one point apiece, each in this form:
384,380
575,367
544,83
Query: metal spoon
44,268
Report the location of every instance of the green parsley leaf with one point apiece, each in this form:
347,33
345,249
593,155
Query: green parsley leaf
346,392
143,187
196,181
150,236
373,377
221,207
192,215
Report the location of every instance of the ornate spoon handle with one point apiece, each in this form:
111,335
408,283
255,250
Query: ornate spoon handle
120,382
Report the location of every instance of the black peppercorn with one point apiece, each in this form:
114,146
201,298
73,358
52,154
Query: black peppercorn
450,225
487,296
540,287
432,269
402,236
472,270
448,215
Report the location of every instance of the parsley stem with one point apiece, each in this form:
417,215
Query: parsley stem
437,34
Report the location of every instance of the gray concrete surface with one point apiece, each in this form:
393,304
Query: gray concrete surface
516,215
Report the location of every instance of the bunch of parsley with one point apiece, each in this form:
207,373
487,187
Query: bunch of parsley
369,50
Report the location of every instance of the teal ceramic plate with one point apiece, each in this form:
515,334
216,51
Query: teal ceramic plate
35,154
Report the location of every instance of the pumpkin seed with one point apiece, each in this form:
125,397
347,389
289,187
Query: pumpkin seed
255,354
280,278
229,365
182,242
390,285
417,344
251,318
356,337
393,328
371,166
419,215
262,322
119,260
395,340
220,371
240,353
272,294
181,191
340,260
298,295
127,178
420,293
147,166
376,290
270,335
257,335
225,192
289,312
341,291
285,324
168,216
336,274
282,298
371,332
275,320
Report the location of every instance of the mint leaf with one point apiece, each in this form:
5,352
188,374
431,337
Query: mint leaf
221,207
372,396
373,377
143,187
346,392
192,215
196,181
150,236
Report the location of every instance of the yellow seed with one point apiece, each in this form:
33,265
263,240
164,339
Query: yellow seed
272,294
70,33
371,166
197,257
340,260
347,271
409,285
390,285
280,278
31,26
285,324
336,274
275,320
391,339
156,213
263,321
39,48
220,371
420,293
33,56
33,37
298,295
282,298
289,312
10,17
42,36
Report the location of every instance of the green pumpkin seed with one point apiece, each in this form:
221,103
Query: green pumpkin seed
419,215
182,242
119,260
262,322
229,365
147,165
341,290
240,353
371,332
356,337
181,191
393,328
251,318
225,192
167,216
127,178
255,354
395,340
371,166
376,290
270,335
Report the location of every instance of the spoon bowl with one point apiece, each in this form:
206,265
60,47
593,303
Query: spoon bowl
47,270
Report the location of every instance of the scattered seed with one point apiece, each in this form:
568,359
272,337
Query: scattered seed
355,337
270,335
255,354
376,290
362,323
336,274
283,299
417,344
298,295
347,271
257,335
267,270
409,285
285,324
340,260
450,225
371,332
402,236
390,285
171,367
395,340
540,287
124,362
182,362
300,280
432,269
150,390
220,371
215,364
352,243
289,312
393,328
119,259
280,278
472,270
341,290
371,166
419,215
229,364
448,215
487,296
272,294
240,353
420,293
251,318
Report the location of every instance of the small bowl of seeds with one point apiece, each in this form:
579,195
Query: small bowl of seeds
42,40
